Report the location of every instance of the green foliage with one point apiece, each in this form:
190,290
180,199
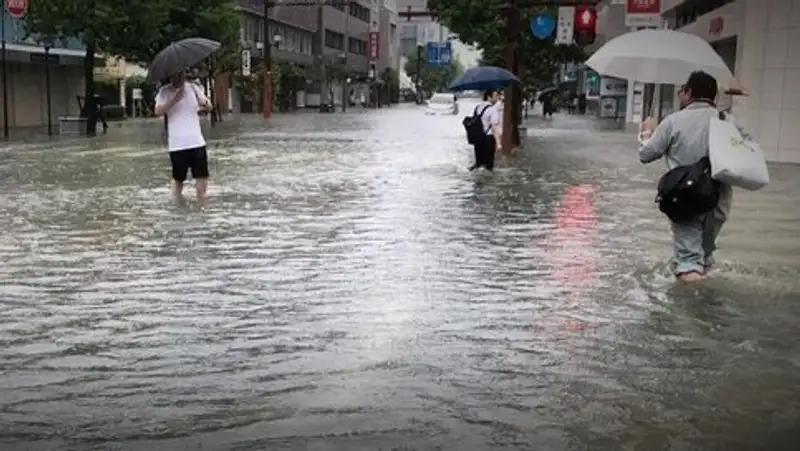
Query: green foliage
433,78
137,30
148,93
481,23
119,28
392,82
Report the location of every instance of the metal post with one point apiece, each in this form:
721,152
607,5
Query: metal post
267,78
47,89
419,74
5,76
323,85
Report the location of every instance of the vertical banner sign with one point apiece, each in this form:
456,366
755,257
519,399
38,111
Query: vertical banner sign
245,63
374,46
17,8
643,13
566,25
374,31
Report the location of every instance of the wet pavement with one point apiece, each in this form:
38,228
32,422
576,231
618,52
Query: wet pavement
349,286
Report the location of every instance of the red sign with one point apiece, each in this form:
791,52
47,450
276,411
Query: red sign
17,8
585,17
643,7
373,46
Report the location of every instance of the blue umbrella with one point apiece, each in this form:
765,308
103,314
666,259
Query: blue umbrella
484,78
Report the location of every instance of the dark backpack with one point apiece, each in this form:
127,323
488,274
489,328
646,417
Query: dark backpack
474,126
686,192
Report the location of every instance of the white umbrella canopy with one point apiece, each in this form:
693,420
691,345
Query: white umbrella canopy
658,56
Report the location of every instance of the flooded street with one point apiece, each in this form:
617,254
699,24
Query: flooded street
350,286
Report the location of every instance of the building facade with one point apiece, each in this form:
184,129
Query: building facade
755,38
322,39
26,82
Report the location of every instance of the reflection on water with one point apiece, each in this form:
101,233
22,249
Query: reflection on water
349,286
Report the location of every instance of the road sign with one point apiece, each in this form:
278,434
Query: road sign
542,26
566,25
439,53
17,8
643,13
246,63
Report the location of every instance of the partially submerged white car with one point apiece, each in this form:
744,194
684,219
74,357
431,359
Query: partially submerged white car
442,103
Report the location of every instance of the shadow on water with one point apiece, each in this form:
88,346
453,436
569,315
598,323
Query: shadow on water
350,286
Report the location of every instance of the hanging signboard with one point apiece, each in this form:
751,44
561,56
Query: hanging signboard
565,34
245,63
643,13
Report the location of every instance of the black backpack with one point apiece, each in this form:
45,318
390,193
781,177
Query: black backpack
474,126
686,192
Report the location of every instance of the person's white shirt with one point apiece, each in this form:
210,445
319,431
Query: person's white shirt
486,118
497,115
183,121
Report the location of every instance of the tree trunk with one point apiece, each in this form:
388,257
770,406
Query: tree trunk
89,104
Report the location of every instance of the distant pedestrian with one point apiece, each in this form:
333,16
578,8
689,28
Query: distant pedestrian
181,102
488,143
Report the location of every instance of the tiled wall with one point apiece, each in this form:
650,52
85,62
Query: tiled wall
769,59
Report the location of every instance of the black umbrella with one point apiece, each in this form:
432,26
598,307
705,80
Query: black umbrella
179,56
547,93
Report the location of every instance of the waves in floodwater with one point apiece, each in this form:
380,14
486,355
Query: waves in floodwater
349,286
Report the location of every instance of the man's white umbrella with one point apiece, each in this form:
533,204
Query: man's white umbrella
658,56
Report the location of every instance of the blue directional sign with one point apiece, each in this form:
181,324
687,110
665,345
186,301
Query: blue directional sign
543,26
439,53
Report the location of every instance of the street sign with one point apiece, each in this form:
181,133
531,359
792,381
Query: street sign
439,53
17,8
246,63
543,26
136,94
643,13
374,46
566,25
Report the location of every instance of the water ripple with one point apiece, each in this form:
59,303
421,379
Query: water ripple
350,286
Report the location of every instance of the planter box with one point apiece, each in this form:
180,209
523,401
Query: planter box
72,126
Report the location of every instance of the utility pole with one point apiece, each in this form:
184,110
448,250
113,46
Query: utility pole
267,77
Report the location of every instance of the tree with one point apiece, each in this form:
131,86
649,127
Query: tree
476,22
114,27
432,78
135,30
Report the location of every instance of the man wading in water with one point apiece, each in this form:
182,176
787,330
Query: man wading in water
682,140
181,101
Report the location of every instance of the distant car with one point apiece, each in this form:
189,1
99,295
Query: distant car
442,103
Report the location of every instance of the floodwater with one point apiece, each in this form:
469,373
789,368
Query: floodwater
349,286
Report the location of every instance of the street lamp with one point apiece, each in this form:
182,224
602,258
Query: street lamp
277,40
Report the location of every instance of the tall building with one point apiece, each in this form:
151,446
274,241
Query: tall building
336,37
755,38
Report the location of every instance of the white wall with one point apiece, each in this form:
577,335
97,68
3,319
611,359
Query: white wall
770,70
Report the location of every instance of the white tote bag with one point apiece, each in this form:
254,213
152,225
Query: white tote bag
736,160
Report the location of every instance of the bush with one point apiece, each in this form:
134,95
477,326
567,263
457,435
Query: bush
114,112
